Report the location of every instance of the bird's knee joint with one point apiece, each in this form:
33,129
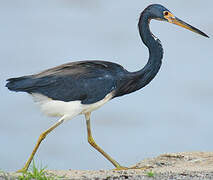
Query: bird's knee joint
91,141
42,136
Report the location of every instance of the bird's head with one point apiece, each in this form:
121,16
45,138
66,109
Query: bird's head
159,12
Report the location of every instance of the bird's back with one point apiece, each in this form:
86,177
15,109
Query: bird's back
87,81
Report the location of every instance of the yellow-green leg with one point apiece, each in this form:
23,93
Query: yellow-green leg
93,144
40,139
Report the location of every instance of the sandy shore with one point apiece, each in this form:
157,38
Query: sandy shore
180,166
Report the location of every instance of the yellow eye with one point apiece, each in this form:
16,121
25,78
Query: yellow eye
166,13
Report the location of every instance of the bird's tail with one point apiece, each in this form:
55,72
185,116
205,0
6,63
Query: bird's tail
23,83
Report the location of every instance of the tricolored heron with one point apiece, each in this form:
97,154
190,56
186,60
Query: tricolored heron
82,87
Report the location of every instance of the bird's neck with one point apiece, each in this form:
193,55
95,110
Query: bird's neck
136,80
149,71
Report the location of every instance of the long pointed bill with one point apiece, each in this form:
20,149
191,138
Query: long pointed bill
187,26
174,20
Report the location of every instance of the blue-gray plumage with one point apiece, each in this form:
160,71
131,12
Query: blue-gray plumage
93,83
87,81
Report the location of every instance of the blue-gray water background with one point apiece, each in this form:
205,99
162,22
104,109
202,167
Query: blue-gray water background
173,113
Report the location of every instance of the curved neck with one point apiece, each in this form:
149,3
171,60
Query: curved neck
152,43
149,71
136,80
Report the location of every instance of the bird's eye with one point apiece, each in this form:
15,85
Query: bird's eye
166,13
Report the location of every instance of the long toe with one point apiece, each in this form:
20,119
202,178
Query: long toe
133,167
121,168
23,170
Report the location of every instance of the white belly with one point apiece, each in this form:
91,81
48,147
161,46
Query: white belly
69,109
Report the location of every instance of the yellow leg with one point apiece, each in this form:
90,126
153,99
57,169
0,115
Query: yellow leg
40,139
93,144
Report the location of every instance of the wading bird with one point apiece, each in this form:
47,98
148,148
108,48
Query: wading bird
81,87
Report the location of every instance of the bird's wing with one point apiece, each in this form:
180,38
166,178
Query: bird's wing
87,81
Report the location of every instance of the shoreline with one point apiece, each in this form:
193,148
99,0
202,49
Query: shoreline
172,166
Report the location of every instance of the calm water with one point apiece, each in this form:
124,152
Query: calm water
174,113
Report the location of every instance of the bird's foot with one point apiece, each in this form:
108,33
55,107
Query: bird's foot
119,168
134,167
23,170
